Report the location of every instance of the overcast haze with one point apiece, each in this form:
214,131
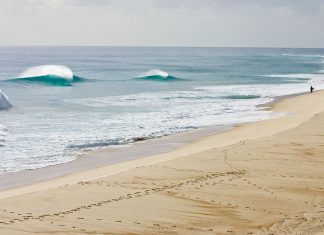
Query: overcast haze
253,23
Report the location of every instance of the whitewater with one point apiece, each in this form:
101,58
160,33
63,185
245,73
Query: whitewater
49,115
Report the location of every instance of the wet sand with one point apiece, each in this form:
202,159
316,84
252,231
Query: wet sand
106,156
259,178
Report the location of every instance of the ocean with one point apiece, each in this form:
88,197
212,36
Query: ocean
67,100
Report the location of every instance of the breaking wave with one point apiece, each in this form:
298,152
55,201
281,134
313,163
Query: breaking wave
157,75
56,75
46,70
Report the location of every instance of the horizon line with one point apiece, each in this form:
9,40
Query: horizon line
251,47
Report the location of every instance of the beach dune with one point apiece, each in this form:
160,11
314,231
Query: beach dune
258,178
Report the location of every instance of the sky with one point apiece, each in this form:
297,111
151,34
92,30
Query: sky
201,23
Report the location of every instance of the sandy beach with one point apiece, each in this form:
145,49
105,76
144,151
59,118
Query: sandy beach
258,178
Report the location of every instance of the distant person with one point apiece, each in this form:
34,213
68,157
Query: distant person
311,89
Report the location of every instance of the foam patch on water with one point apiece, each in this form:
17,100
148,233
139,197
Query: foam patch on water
48,70
260,93
145,115
296,75
266,90
146,99
303,55
313,79
140,116
3,133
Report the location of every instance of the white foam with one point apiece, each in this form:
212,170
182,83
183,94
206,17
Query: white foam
3,133
202,94
44,70
144,115
313,79
303,55
155,72
297,75
263,90
4,101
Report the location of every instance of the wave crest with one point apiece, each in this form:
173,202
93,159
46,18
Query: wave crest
157,75
156,72
56,75
60,71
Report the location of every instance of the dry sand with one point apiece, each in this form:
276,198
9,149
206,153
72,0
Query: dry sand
260,178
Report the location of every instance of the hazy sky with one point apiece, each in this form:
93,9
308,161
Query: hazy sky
268,23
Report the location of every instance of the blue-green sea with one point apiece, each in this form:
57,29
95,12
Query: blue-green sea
57,102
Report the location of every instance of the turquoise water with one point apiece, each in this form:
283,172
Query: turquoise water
112,96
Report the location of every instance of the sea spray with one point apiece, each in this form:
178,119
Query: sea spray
48,70
4,101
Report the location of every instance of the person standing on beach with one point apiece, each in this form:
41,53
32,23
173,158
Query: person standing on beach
311,89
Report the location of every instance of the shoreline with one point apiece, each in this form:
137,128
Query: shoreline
262,177
95,158
140,152
118,154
